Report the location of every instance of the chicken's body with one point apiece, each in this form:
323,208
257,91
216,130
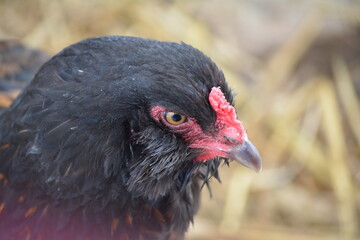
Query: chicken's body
87,151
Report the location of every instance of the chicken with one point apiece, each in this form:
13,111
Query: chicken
113,139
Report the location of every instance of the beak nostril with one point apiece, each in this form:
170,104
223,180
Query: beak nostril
231,140
247,154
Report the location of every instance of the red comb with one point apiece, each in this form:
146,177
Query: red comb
225,112
221,106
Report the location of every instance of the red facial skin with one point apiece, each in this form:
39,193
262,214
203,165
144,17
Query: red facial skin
230,131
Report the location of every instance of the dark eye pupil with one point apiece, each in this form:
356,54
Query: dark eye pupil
176,117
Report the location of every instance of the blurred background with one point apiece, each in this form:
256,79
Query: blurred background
295,66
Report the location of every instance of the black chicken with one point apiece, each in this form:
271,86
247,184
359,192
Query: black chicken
113,139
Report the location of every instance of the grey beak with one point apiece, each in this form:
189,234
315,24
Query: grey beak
247,154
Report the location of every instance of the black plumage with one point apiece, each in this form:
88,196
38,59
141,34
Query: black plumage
82,157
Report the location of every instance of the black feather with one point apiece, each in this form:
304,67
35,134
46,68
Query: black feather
80,147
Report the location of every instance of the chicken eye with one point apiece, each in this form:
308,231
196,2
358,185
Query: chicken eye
174,118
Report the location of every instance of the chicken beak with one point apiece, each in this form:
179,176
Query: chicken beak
246,154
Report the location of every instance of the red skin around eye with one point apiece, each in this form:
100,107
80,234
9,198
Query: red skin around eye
230,131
